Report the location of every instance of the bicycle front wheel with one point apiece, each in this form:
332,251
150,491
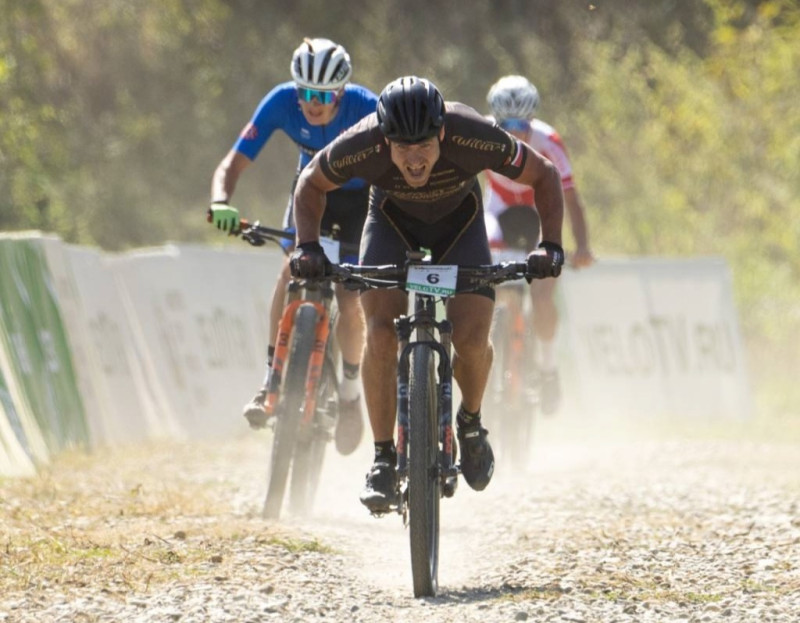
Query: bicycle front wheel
290,409
424,482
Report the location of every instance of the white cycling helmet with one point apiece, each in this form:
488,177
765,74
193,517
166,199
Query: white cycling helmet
513,97
321,64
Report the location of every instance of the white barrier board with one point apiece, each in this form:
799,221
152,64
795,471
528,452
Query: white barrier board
202,315
653,337
117,377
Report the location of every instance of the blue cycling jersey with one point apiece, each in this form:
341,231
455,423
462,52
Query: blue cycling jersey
279,110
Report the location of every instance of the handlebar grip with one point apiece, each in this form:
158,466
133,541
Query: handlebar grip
243,222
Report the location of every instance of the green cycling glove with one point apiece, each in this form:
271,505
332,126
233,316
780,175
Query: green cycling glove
225,217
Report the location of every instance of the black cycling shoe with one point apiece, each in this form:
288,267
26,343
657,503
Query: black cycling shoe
380,491
477,458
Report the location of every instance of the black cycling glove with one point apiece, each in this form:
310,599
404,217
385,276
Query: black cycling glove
308,261
546,261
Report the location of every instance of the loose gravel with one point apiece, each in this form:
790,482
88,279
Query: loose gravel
610,522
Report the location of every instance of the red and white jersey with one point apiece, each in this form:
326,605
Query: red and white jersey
501,192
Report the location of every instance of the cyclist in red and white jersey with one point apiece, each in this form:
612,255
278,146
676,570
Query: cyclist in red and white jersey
510,210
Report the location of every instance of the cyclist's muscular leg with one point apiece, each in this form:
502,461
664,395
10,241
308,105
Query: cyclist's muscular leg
471,315
255,411
350,335
545,325
278,301
350,325
379,364
545,314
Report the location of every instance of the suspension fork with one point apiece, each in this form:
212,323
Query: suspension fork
443,348
445,373
403,327
321,333
316,361
281,353
293,301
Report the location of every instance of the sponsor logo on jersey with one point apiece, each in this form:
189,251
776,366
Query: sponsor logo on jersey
351,159
305,133
427,196
250,132
478,144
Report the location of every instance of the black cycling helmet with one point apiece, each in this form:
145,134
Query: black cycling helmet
410,110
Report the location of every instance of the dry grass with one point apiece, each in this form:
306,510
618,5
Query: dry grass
125,521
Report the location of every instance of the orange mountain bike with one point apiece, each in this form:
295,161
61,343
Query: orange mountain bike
302,394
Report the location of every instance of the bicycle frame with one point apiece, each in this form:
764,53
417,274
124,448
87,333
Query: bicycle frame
424,323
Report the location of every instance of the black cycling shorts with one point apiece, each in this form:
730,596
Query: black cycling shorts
459,238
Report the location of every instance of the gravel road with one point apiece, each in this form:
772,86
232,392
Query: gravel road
611,522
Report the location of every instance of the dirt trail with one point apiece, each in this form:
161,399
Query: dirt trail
606,524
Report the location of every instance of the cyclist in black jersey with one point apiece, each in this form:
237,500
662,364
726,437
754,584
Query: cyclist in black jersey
422,156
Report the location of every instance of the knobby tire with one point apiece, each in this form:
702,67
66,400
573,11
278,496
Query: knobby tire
424,482
514,411
309,453
290,412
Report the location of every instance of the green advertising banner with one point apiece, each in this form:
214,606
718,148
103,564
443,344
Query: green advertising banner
35,339
16,455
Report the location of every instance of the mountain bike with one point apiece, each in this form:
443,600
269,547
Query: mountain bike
514,383
426,452
513,388
302,393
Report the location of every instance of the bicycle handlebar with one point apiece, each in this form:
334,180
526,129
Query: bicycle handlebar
394,275
257,234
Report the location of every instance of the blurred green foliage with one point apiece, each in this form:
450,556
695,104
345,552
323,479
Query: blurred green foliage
680,117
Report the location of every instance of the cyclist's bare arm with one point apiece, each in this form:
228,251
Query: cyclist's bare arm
577,219
227,175
309,201
543,176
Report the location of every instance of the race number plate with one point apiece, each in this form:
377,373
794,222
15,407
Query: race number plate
438,280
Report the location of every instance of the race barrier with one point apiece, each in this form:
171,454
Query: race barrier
101,349
37,364
201,316
653,337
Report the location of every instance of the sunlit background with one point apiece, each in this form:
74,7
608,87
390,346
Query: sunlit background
680,117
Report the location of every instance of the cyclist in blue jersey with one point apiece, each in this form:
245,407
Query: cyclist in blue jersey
312,110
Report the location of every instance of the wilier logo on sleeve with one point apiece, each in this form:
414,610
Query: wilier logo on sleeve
478,144
351,159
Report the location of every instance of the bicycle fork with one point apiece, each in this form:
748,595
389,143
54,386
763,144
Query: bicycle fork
446,469
322,330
